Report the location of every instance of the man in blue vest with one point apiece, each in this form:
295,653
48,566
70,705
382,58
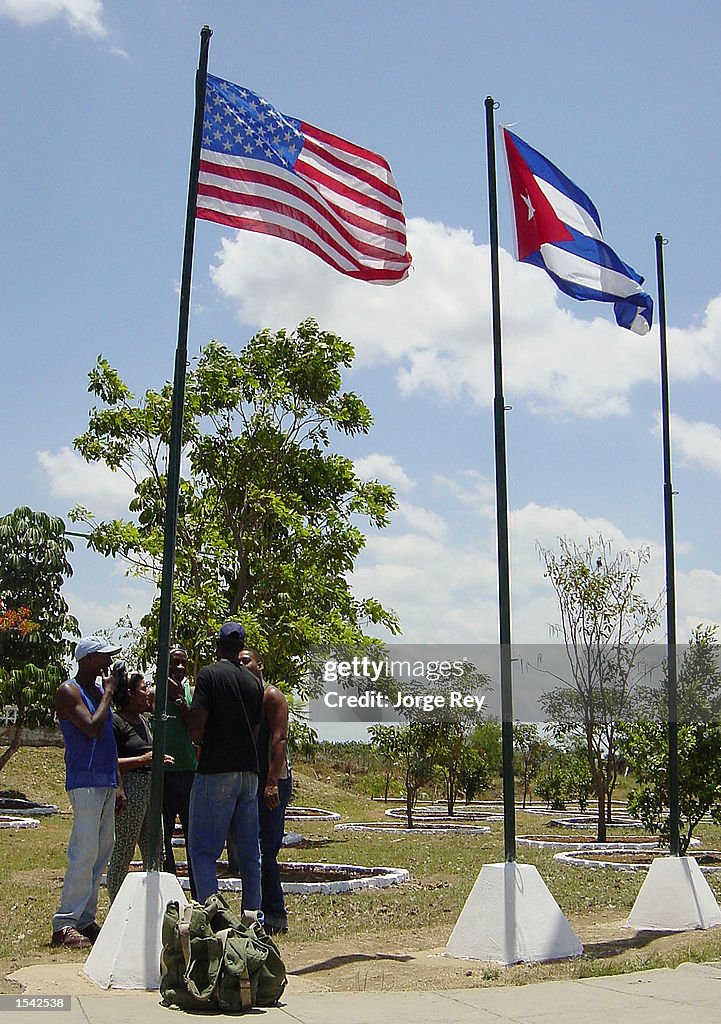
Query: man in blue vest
94,788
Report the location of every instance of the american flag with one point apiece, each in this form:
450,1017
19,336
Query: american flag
263,171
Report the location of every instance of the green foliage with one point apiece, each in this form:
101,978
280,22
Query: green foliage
474,774
579,781
645,745
384,742
551,784
302,740
486,738
564,777
412,750
268,515
33,568
451,736
442,745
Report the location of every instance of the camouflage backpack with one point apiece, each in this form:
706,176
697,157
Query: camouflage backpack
212,960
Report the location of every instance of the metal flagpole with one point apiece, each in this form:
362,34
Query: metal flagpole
504,578
671,655
173,481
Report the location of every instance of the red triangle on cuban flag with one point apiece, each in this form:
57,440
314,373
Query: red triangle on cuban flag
536,220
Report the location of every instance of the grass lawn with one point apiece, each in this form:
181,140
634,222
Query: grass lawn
374,925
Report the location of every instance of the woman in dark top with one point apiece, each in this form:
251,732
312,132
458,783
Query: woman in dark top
135,754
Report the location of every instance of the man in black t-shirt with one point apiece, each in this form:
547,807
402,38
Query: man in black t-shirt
224,718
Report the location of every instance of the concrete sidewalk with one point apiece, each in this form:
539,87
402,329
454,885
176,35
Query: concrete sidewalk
690,992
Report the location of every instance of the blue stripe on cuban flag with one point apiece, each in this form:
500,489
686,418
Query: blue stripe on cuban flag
559,230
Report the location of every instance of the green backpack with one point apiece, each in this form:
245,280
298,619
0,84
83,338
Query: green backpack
212,960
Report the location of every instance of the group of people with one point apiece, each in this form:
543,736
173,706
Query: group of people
235,791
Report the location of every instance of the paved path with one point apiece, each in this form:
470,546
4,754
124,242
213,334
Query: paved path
690,993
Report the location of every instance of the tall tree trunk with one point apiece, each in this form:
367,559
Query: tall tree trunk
14,745
601,805
610,787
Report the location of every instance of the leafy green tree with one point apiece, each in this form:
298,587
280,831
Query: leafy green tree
412,747
34,618
453,724
474,775
552,781
580,781
604,621
417,761
487,740
644,743
268,520
384,740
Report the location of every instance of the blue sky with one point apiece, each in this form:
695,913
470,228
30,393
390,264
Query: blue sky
97,116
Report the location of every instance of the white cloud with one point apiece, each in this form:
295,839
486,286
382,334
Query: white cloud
422,519
82,15
472,490
90,484
101,613
443,582
699,601
386,469
435,327
696,444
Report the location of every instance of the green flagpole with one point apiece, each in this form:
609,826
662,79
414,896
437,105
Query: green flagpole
173,482
504,573
671,655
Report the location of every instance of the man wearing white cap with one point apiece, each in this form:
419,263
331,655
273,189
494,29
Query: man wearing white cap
94,788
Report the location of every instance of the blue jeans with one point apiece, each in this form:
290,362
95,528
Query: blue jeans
272,827
89,849
222,805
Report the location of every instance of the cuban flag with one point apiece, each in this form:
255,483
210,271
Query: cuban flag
558,228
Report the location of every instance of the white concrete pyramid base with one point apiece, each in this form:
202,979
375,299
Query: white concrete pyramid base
675,897
511,917
126,954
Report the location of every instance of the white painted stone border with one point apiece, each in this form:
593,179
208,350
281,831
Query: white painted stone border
571,857
431,815
571,844
618,807
317,814
35,809
8,821
430,828
586,822
372,878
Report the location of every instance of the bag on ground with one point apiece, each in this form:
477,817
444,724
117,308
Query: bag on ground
213,960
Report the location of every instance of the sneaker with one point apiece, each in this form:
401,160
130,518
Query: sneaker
70,938
90,931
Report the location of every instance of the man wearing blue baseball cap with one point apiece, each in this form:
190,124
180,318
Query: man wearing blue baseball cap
94,788
224,718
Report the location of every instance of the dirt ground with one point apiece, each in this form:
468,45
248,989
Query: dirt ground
360,965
